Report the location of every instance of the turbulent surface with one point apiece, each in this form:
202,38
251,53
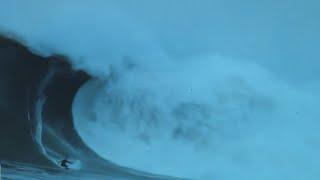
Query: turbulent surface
204,89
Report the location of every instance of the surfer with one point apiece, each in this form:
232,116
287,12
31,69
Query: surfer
64,163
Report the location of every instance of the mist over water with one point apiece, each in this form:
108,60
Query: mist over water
188,89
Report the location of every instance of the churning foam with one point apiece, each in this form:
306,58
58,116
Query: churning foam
204,117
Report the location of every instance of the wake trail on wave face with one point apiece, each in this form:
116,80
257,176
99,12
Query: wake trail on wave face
204,117
40,126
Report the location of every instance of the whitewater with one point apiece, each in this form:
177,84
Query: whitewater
161,90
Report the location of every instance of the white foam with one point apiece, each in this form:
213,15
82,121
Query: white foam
203,117
202,121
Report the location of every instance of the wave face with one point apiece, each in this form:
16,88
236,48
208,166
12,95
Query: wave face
113,91
37,129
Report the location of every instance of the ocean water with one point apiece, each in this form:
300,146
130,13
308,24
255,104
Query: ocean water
160,90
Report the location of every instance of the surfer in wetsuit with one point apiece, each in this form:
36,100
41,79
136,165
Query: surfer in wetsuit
64,163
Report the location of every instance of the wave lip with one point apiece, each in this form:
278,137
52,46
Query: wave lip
169,93
37,125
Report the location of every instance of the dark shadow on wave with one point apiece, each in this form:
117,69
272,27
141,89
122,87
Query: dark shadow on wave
21,74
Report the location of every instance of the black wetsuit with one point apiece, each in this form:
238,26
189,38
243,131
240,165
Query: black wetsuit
64,163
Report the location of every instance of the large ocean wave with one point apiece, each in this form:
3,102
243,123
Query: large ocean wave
100,87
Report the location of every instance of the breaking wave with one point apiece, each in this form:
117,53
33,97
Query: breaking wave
99,89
